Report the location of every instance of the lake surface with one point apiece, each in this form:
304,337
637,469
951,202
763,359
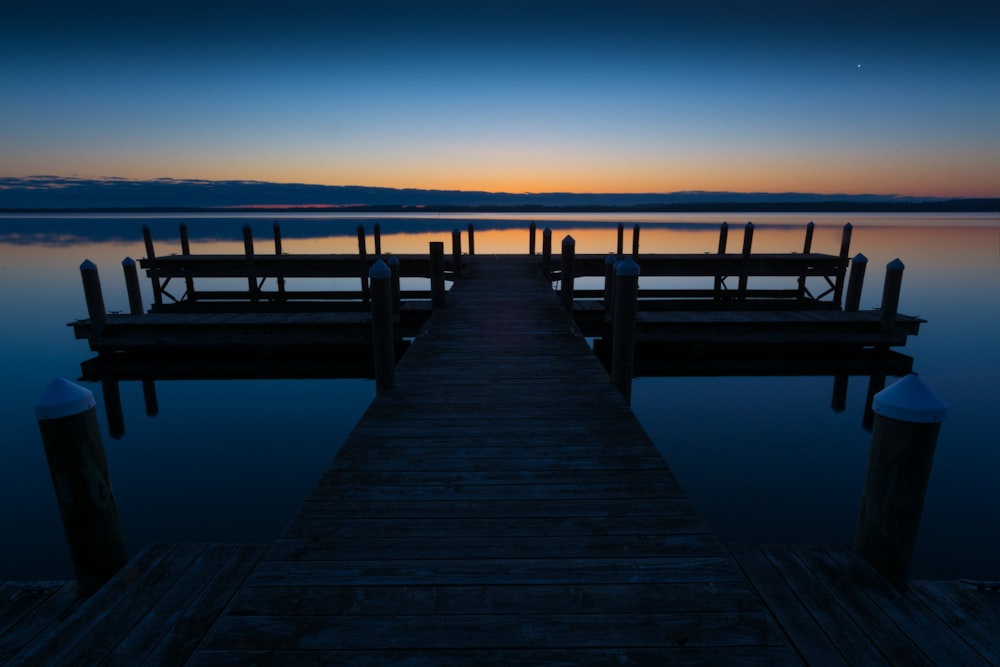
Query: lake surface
765,459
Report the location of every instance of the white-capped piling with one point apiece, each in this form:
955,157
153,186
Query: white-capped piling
94,297
908,417
623,325
383,340
67,421
567,269
437,273
855,283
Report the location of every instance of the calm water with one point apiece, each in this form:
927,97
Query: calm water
764,458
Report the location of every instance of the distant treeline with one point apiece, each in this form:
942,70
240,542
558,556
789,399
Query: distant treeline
983,205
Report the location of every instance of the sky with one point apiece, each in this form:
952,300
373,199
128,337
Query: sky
512,96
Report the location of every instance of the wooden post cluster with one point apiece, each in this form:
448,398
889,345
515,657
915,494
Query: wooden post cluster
67,421
908,418
383,340
437,273
852,302
568,261
623,325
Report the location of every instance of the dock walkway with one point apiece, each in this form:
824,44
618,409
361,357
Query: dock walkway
502,505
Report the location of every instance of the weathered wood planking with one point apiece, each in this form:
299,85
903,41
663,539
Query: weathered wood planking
836,610
154,612
501,504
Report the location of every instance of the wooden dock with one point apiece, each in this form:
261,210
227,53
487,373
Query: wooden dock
500,505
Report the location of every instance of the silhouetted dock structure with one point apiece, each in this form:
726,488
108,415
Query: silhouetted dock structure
499,504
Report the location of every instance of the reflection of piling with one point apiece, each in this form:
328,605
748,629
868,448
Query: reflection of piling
623,326
383,341
149,397
67,420
112,393
839,400
437,273
568,261
852,302
908,420
531,239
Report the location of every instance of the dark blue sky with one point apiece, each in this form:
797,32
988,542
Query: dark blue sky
510,96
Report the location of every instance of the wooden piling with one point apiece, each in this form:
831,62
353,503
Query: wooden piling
531,239
623,326
363,263
132,286
568,260
908,418
437,273
723,238
890,294
852,302
94,297
472,240
456,253
251,272
154,277
393,264
609,282
620,247
278,252
547,253
186,250
377,233
747,246
67,420
635,242
845,248
383,341
806,249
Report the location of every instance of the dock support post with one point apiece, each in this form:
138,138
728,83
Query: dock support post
908,418
547,253
94,297
747,245
132,286
609,284
623,326
437,273
278,252
852,302
186,250
67,420
393,263
472,240
377,233
147,239
531,239
806,249
845,248
890,294
568,260
723,238
383,340
620,247
635,242
251,271
363,263
456,253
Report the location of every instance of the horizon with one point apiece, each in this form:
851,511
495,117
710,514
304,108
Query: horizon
511,97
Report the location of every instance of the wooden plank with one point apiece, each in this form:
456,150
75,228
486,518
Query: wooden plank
30,609
807,636
972,615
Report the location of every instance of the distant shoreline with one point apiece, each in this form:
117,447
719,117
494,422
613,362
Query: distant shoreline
936,206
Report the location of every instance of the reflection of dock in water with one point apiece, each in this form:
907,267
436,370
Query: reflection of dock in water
499,503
